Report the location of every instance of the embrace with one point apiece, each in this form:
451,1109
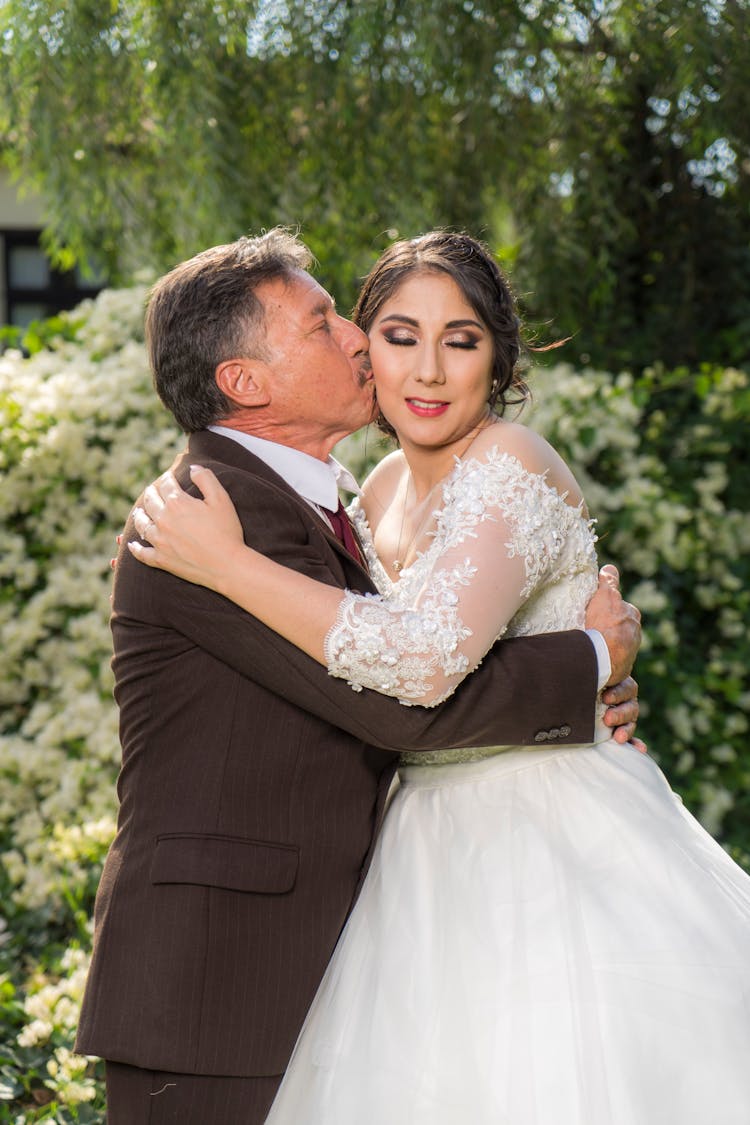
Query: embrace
387,851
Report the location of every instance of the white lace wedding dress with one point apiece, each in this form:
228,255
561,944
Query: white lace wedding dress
546,936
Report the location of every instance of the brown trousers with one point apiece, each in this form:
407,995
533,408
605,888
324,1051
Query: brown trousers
156,1097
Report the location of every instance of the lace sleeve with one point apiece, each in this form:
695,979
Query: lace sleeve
498,534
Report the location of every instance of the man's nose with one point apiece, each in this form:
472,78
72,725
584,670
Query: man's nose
353,339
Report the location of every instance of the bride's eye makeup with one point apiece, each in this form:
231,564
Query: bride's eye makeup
468,343
405,332
400,338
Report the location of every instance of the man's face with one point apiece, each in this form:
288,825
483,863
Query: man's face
317,367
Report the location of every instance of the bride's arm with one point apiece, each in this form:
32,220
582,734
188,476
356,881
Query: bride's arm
490,562
202,541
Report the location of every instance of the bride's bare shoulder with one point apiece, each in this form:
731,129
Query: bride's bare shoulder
533,451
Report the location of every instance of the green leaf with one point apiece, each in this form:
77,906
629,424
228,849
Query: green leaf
9,1089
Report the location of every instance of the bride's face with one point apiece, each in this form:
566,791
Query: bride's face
432,359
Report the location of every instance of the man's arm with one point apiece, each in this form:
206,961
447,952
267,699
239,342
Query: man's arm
507,701
524,687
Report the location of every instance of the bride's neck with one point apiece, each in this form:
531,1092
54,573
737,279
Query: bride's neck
428,465
427,469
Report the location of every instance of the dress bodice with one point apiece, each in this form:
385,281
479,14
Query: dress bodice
555,538
508,556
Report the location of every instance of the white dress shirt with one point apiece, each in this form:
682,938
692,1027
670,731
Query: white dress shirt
317,482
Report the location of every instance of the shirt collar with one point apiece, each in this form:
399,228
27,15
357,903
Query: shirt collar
316,481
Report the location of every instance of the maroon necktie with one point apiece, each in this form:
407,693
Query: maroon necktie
342,529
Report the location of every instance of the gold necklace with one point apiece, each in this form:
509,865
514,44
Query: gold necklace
398,563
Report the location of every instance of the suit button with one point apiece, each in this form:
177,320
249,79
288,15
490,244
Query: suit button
541,736
565,731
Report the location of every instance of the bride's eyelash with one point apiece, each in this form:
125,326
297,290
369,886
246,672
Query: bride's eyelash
402,341
409,342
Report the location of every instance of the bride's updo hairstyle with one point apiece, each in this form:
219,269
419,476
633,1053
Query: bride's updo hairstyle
471,265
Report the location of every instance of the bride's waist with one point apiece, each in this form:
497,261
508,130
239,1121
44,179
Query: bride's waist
473,761
451,757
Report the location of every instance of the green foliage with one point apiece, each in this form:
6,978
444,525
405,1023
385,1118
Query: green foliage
604,146
645,240
40,334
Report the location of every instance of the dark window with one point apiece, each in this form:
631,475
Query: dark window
34,290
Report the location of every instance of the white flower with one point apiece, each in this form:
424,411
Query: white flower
36,1032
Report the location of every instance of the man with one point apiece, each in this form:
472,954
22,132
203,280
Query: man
252,783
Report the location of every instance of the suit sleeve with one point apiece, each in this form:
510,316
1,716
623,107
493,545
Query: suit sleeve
524,686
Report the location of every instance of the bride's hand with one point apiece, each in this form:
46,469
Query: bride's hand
192,538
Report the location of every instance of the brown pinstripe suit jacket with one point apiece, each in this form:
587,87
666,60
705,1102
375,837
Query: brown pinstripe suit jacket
251,790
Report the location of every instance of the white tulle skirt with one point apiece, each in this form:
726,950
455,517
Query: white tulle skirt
545,937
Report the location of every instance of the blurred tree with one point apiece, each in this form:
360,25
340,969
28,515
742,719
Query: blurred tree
645,235
602,147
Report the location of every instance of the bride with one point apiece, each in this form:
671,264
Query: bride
545,937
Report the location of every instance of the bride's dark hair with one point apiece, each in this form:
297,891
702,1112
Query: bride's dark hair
471,265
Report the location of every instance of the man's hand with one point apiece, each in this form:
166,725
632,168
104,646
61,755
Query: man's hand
622,712
618,621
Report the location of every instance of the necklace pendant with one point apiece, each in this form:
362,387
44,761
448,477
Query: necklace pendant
397,565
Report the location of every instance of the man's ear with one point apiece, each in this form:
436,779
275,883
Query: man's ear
244,381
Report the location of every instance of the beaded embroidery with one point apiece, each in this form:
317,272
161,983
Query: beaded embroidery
409,640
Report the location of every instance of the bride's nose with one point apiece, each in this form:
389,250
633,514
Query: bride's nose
430,370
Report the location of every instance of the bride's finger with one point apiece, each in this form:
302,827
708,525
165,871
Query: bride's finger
168,486
217,501
145,555
144,525
152,501
208,483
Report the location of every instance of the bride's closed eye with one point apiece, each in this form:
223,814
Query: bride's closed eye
402,341
468,345
399,339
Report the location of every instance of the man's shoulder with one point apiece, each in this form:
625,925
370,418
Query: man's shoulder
244,475
223,456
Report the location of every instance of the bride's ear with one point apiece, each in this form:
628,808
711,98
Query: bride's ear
243,381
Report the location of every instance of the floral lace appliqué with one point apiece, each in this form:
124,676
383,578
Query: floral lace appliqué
377,643
421,635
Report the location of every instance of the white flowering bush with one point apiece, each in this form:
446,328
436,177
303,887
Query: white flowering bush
82,430
662,460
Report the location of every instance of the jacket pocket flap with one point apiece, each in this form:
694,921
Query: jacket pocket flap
225,861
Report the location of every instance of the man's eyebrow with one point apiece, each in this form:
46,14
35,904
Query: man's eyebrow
323,306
